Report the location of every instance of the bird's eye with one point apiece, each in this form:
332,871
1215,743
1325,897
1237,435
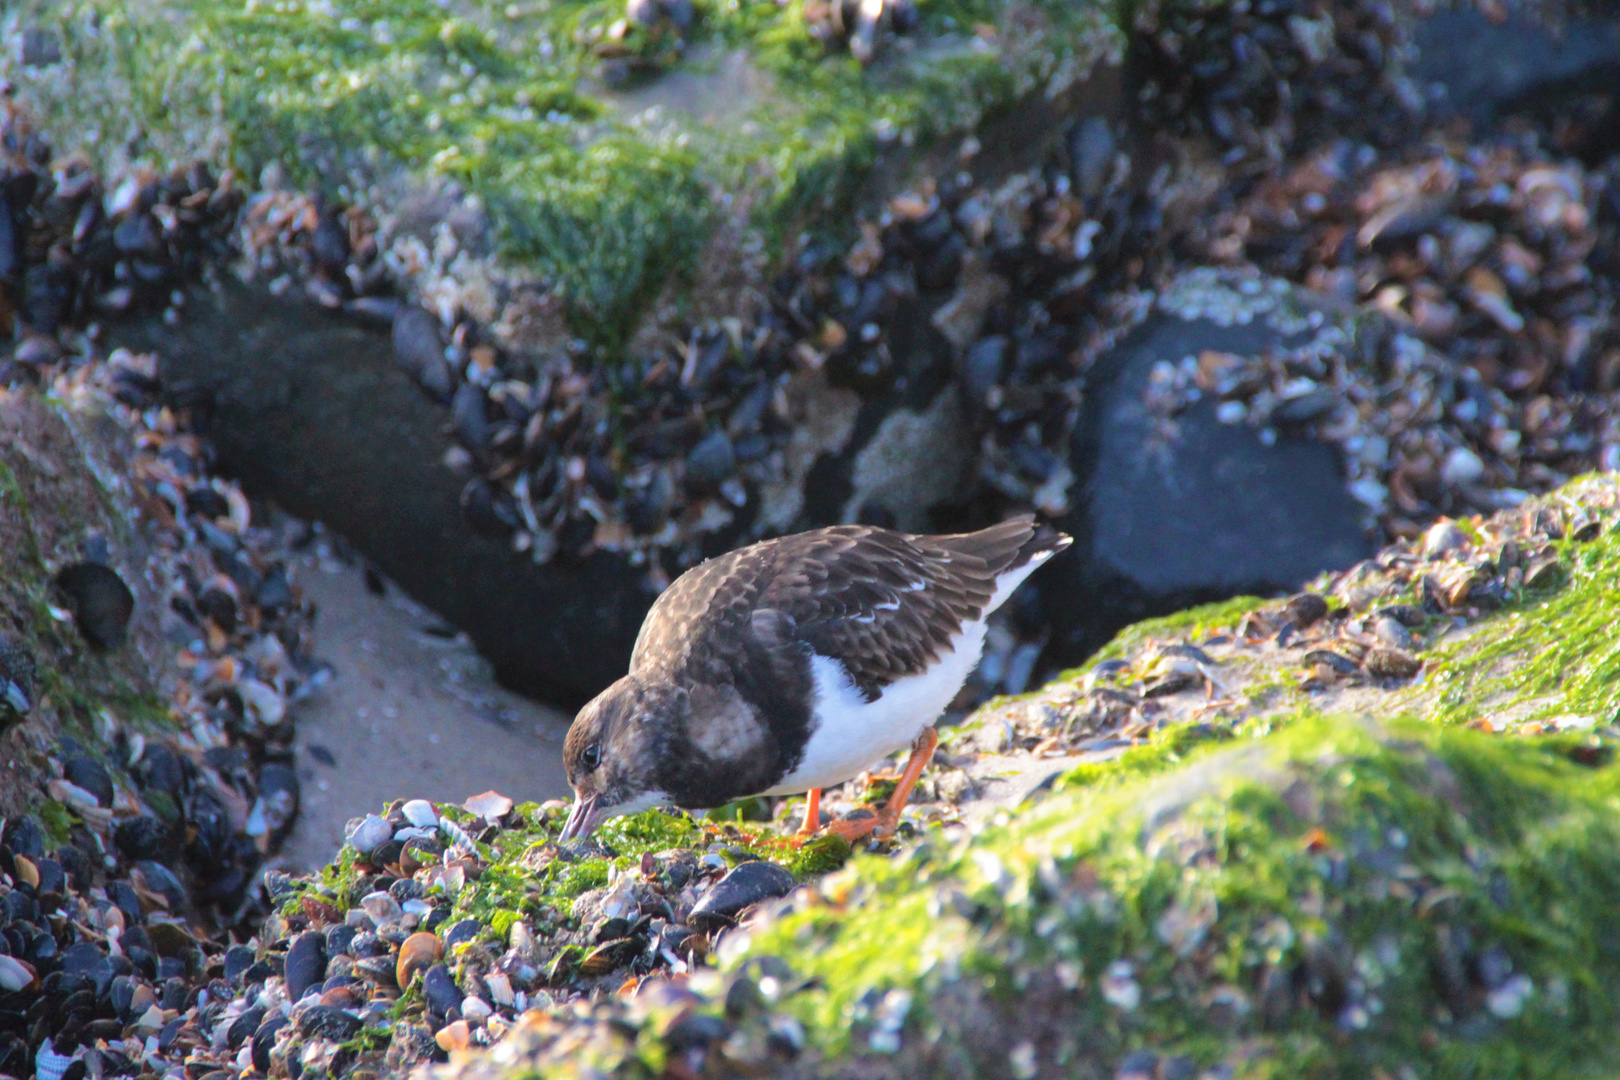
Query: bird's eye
592,757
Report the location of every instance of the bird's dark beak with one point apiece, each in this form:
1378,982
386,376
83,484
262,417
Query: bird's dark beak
583,819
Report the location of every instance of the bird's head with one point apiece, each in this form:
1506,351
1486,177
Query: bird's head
614,748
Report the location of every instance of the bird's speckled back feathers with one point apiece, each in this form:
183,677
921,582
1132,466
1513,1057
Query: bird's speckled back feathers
885,604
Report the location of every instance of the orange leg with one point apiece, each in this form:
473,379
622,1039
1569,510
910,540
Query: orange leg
812,812
886,819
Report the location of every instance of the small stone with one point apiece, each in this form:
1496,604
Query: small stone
1462,466
16,677
746,885
102,604
327,1022
383,909
453,1036
1390,631
306,963
711,461
440,990
1442,538
1305,609
84,771
465,930
1391,663
15,975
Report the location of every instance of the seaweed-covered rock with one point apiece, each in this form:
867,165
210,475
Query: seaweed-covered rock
1282,859
529,130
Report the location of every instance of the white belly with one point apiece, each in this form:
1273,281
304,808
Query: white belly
850,734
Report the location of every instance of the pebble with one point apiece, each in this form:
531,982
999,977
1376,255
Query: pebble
102,604
1442,538
305,966
1388,663
1389,630
440,990
747,884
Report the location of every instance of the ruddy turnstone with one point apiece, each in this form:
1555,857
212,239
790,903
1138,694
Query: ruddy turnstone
794,664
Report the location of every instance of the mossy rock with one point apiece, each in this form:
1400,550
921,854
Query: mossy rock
1344,897
756,130
1350,884
64,489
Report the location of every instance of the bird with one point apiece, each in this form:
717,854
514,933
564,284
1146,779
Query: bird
794,664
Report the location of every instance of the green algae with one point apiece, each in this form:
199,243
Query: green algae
1192,624
1551,652
1336,844
505,101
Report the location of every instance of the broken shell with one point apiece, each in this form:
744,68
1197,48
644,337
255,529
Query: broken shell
417,953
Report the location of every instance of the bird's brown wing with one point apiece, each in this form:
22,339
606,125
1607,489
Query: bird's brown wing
883,603
886,605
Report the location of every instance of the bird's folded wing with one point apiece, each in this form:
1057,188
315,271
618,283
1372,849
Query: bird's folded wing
886,606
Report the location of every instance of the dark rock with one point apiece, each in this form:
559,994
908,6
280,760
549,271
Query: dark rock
102,604
469,415
419,349
1484,68
1178,512
1091,146
24,838
143,837
983,368
339,938
85,771
243,1027
80,959
306,963
327,1022
743,886
207,503
264,1040
465,930
238,958
220,606
440,990
160,879
1306,609
279,789
40,47
711,462
159,770
315,413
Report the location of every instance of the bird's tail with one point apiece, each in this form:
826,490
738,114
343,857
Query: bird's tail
1011,545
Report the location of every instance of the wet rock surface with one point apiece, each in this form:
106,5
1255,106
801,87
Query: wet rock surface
1183,506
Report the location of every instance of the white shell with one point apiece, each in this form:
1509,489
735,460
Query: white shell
420,812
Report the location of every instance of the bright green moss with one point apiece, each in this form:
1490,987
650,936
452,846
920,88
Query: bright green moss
1192,625
505,98
1552,652
1336,845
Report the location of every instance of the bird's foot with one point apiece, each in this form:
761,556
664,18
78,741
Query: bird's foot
812,817
879,824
